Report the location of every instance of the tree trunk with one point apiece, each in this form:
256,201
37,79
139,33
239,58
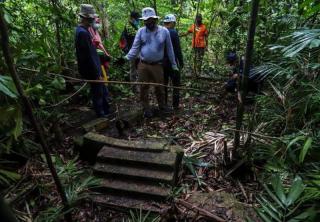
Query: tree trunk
155,6
35,122
244,82
57,24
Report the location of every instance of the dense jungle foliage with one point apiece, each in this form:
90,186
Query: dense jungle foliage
284,121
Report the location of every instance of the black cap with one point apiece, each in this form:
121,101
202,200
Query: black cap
135,15
199,16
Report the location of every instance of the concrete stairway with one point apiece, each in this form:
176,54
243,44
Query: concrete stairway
134,174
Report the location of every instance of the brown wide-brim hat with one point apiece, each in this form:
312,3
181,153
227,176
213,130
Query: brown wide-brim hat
87,11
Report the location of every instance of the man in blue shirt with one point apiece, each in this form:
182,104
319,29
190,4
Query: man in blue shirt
149,44
169,73
88,60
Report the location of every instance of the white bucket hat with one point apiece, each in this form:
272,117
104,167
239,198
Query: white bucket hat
170,18
87,11
148,13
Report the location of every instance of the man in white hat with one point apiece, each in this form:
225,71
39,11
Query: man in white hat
89,65
169,74
150,43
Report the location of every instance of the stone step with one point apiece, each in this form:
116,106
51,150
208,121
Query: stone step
161,160
125,204
134,189
136,173
99,140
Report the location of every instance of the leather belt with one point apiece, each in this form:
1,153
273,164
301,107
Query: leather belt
151,63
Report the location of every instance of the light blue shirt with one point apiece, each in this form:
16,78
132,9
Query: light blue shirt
151,45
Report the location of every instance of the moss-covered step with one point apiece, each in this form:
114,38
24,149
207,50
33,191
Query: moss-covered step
96,124
132,117
125,203
98,140
160,160
127,171
134,189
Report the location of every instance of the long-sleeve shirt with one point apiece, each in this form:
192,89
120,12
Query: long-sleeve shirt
176,48
88,60
151,45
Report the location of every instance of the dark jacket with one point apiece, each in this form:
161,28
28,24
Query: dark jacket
129,33
89,65
176,48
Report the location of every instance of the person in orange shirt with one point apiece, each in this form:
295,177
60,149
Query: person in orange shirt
199,41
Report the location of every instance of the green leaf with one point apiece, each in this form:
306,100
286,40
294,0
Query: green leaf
295,140
18,124
314,43
303,216
8,176
263,216
59,83
305,149
5,88
271,194
278,188
295,191
271,206
266,207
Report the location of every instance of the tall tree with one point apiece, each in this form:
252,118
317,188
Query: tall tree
55,4
244,81
35,122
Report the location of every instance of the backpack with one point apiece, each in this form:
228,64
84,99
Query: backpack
123,44
126,39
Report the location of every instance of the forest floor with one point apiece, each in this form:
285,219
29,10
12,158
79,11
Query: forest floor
202,127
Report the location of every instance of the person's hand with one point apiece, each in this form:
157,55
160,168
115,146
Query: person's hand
175,68
234,76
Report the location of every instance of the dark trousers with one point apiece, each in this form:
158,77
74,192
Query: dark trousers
99,94
170,74
199,54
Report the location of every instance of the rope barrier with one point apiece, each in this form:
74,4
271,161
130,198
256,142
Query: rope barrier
72,79
66,99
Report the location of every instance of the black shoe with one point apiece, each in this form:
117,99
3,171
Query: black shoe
147,114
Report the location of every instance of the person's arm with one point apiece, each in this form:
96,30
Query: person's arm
136,47
177,48
84,46
190,30
170,51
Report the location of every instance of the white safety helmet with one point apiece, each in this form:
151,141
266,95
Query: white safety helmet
170,18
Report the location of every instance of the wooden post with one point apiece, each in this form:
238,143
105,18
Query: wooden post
35,122
244,82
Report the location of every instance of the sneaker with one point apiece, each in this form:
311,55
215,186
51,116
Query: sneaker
147,114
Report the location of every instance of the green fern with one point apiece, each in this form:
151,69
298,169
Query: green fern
282,205
140,216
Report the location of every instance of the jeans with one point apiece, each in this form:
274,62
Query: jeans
99,94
